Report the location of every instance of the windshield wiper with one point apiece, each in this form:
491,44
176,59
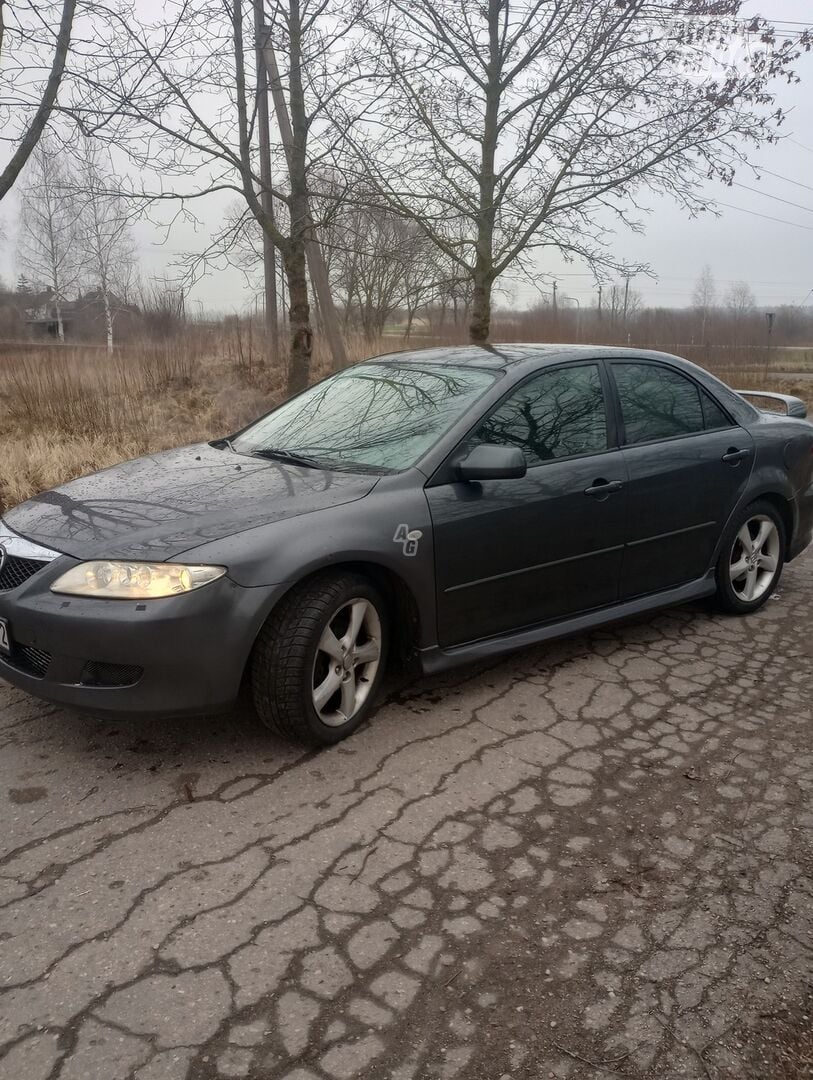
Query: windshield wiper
218,444
287,456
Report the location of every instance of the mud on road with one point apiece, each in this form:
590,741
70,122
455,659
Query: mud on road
591,860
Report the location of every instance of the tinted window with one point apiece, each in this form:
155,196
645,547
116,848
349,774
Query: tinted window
379,416
713,415
657,402
558,414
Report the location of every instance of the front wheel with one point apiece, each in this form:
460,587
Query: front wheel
751,560
319,660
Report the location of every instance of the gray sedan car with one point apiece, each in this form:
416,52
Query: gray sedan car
442,505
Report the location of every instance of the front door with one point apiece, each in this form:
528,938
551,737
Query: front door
688,464
514,553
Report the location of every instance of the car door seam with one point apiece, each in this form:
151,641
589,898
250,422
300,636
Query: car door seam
531,569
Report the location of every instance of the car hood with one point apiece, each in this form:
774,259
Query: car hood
158,506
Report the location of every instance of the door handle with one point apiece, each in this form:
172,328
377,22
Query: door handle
734,456
604,487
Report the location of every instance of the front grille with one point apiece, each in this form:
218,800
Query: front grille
98,673
15,571
30,660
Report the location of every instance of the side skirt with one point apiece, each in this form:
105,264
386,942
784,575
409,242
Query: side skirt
436,659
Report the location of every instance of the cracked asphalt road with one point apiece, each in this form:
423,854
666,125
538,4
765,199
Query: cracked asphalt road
589,860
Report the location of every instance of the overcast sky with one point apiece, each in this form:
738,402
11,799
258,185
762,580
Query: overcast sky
776,259
773,256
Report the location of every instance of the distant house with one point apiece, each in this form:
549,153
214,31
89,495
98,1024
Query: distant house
41,314
82,319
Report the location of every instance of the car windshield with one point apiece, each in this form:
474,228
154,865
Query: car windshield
381,417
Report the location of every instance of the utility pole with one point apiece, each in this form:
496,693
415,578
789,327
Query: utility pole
599,302
266,198
555,287
313,252
626,297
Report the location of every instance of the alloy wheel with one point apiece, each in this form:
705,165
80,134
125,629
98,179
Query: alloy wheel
754,558
346,661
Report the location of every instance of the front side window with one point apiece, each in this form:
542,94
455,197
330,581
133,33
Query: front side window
560,413
657,402
379,417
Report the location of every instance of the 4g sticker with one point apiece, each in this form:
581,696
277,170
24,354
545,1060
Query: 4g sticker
408,539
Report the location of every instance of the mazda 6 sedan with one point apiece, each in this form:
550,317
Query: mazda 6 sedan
442,506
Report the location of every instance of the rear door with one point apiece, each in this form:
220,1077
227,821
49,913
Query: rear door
513,553
688,463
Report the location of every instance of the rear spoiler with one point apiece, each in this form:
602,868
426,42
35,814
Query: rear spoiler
793,406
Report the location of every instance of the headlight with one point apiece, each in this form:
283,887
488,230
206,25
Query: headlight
134,581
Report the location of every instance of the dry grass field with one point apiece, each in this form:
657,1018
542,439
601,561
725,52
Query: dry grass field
66,412
69,411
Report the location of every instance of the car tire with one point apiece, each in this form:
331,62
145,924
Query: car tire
751,559
318,661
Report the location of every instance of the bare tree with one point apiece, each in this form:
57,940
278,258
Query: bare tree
623,304
378,262
740,301
157,104
28,93
104,240
49,226
521,124
704,298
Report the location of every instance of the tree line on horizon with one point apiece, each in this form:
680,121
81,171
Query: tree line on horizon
427,144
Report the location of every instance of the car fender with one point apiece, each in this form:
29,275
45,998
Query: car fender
391,529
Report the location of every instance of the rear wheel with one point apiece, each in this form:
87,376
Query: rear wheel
752,558
318,662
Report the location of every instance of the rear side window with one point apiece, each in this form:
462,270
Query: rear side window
713,415
657,402
560,413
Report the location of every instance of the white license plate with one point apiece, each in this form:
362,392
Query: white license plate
5,643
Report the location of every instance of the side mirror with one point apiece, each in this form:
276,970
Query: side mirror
491,462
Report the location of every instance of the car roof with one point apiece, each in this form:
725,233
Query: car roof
522,358
502,356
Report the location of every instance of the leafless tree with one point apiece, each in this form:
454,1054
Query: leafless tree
104,239
622,304
47,248
179,96
162,303
739,300
510,125
704,298
30,35
377,262
705,290
741,318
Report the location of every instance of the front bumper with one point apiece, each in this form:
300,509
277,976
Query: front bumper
179,655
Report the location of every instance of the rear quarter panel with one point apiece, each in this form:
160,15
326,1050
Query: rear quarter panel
783,466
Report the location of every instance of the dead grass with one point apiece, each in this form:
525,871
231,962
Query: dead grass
64,413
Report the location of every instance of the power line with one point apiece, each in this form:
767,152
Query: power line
776,198
797,143
742,19
675,277
753,213
787,179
